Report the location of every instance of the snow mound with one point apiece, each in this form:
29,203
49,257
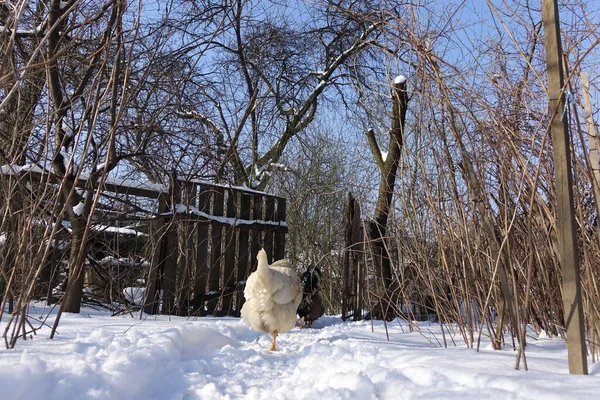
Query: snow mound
399,79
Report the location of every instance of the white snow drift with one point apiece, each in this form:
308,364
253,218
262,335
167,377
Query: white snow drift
96,356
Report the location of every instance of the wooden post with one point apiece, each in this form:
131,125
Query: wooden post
592,134
569,252
346,261
359,265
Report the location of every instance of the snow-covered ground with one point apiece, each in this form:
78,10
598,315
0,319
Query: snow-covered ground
96,356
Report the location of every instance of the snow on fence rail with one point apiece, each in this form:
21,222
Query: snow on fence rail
35,173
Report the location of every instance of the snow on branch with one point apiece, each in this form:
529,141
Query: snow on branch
67,129
192,114
268,170
78,209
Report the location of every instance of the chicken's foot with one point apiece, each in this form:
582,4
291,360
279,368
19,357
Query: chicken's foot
274,340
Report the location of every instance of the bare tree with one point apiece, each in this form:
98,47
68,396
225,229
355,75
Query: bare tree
385,308
270,74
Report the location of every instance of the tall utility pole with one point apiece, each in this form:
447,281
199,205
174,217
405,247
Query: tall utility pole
569,252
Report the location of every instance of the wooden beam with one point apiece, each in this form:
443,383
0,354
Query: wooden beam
568,248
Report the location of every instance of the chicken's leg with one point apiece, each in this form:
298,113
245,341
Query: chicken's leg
274,340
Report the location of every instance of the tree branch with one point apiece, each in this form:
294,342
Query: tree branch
375,149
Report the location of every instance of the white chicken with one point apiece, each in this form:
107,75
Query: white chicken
273,293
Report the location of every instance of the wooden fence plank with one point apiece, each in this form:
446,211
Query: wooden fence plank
171,249
170,254
279,243
184,267
358,261
269,233
152,294
215,272
229,266
346,302
243,254
201,272
354,262
257,214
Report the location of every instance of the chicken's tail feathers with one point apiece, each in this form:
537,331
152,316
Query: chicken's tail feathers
263,260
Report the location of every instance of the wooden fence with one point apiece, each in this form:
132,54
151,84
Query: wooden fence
204,239
354,262
207,240
412,302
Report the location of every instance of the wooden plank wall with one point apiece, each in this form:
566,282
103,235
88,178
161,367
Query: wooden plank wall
205,240
224,229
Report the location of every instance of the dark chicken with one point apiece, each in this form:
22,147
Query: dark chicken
311,306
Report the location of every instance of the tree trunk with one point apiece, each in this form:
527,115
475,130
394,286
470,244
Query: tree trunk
72,299
385,306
